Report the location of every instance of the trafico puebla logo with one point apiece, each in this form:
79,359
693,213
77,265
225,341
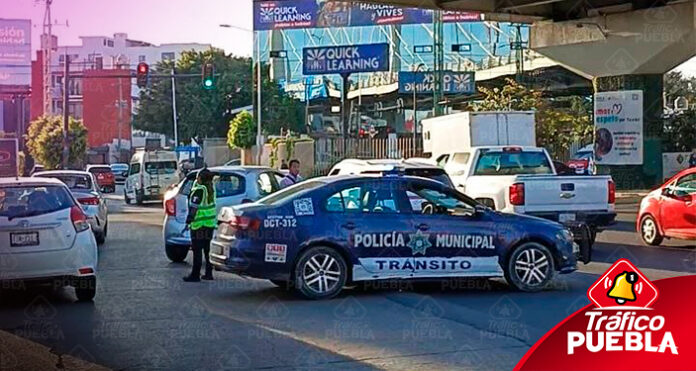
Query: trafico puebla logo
622,319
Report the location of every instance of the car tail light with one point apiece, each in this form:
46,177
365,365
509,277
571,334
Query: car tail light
85,270
79,219
89,201
170,206
517,194
512,149
244,223
612,192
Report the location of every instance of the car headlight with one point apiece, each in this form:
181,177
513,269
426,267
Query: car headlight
564,235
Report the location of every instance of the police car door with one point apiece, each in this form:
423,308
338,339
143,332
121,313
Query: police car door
448,238
375,220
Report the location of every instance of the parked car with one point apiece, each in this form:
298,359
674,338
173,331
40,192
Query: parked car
234,185
45,236
413,167
150,174
104,176
583,161
347,229
668,211
84,188
120,171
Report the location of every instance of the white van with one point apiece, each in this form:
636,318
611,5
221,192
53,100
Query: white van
149,175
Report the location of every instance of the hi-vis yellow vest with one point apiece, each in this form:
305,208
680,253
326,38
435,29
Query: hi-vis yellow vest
205,215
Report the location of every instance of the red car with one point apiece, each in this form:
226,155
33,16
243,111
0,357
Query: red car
105,177
670,210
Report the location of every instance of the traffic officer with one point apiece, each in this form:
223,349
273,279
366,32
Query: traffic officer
201,220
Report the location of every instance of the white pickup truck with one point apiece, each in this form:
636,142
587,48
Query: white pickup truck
523,180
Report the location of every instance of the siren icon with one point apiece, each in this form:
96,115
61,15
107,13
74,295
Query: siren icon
623,289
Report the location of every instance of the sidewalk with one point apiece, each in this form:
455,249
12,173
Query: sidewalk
17,353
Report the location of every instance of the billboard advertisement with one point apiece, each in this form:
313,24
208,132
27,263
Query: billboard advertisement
618,119
288,14
8,157
452,82
345,59
15,52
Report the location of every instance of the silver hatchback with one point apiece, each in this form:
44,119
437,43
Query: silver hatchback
234,185
83,185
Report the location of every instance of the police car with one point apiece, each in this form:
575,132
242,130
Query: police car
322,234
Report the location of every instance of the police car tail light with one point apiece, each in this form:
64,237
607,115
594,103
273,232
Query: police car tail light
78,218
170,206
612,192
517,194
244,223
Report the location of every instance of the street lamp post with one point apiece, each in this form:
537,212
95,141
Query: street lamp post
257,39
415,107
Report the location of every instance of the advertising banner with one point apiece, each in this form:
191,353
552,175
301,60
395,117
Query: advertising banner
312,88
452,82
8,157
289,14
15,52
618,119
345,59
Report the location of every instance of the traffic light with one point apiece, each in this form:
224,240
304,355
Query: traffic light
141,74
208,75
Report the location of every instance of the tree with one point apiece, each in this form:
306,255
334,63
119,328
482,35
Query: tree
559,121
201,112
679,127
242,131
44,141
279,110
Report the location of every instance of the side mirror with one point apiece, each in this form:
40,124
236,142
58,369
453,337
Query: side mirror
666,191
480,209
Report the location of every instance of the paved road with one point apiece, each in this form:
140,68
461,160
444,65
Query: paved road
145,317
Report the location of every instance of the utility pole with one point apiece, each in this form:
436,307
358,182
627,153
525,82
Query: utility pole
415,107
120,104
438,48
47,49
259,140
176,125
66,111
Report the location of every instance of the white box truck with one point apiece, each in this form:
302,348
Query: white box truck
461,131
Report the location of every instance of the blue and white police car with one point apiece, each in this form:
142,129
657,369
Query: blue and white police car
322,234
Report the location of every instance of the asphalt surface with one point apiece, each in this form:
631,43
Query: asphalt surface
146,317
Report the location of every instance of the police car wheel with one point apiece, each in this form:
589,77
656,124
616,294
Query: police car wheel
649,231
530,267
320,273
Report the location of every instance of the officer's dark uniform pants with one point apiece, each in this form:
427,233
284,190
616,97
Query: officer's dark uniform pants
200,244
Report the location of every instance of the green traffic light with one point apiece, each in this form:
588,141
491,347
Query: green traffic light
208,83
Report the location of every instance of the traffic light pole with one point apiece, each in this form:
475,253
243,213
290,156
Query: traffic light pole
66,111
259,140
176,126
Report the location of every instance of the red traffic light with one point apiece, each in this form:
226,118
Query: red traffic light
141,74
143,68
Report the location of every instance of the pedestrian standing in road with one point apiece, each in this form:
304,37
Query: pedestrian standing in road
201,220
293,176
692,158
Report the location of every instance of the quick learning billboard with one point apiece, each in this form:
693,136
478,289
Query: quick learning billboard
327,60
452,82
288,14
15,52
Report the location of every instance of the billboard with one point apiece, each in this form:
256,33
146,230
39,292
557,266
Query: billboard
618,119
288,14
8,157
344,59
452,82
15,52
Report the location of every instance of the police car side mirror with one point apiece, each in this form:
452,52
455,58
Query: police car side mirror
479,209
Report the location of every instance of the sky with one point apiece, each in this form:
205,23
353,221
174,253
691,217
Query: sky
154,21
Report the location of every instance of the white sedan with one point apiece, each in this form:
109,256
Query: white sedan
45,236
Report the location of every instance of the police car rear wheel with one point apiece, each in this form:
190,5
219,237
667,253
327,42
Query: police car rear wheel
320,273
530,267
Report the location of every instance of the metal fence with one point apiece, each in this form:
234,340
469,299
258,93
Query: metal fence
328,151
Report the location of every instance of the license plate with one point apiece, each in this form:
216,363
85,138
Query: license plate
562,218
24,239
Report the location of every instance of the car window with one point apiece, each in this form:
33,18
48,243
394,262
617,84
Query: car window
278,178
160,167
264,184
227,185
335,171
686,185
345,200
134,169
25,201
100,169
444,202
73,181
293,191
512,163
368,198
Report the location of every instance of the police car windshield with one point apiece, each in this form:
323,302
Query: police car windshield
291,192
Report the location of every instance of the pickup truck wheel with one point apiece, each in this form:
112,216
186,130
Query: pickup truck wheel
320,273
530,267
649,231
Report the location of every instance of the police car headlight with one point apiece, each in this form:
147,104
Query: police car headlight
564,235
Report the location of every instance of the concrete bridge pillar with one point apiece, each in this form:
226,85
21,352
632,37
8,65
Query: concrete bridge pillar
626,51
